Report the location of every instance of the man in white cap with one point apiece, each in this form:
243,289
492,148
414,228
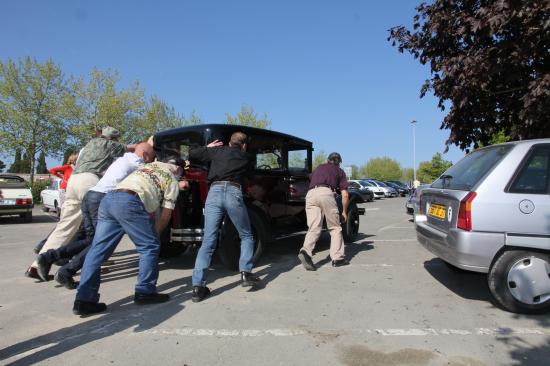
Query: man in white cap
93,161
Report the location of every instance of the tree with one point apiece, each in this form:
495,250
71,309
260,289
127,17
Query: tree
16,165
355,174
99,102
407,174
32,96
489,61
382,169
2,166
428,171
319,158
41,167
248,117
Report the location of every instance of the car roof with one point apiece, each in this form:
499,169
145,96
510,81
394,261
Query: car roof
168,134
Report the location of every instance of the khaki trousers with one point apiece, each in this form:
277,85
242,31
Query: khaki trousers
71,214
320,202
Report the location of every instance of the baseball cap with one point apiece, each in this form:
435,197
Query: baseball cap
110,132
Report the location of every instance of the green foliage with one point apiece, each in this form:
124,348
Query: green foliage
248,117
32,96
100,102
489,62
41,167
2,166
319,158
407,174
16,165
355,173
37,187
428,171
382,169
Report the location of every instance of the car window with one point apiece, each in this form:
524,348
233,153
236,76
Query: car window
354,185
471,169
534,173
269,159
182,145
11,182
297,161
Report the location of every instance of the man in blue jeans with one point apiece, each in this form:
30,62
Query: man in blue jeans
129,209
229,166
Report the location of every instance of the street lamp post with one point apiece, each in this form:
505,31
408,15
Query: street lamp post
413,122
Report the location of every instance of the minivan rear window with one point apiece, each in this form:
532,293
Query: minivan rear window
469,171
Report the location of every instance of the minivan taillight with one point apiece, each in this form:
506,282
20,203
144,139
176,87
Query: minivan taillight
464,221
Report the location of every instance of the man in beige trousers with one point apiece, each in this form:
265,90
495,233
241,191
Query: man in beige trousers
93,161
321,203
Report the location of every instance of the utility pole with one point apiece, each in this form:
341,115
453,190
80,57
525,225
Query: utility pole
413,123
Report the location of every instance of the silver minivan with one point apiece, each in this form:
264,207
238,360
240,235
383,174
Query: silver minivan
490,213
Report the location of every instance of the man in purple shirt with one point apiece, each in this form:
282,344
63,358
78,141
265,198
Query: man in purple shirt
320,202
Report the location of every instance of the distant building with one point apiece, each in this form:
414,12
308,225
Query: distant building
348,170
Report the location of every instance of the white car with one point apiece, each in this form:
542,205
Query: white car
50,197
388,192
17,197
378,193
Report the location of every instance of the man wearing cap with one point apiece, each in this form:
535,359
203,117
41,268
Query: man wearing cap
129,209
229,165
92,162
320,202
76,249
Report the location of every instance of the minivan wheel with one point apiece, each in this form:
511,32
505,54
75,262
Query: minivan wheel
350,228
229,248
520,281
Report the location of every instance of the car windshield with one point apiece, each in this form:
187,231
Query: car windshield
469,171
12,182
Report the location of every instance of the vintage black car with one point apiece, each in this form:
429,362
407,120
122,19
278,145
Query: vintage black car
275,195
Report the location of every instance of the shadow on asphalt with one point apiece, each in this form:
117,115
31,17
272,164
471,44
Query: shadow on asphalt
38,218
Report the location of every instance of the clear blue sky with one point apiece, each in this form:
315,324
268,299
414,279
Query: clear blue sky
321,70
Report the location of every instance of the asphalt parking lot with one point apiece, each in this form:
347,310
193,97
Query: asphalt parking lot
394,305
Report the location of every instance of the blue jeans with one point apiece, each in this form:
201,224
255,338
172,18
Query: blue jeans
90,208
120,213
223,199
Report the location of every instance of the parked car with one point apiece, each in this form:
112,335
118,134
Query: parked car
400,190
413,201
50,198
490,213
366,194
17,197
388,191
401,185
274,195
376,191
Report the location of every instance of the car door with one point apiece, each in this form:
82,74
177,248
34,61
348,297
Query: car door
528,198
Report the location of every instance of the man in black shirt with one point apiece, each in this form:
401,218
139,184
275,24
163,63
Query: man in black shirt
229,165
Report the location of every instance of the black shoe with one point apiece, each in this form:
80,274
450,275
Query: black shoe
88,308
340,262
44,267
249,280
306,260
141,298
200,293
65,280
31,272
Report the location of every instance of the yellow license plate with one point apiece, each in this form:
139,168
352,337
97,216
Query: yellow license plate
437,210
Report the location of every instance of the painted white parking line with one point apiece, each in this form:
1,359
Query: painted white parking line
372,209
411,332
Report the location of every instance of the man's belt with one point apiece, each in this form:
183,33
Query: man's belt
225,182
321,185
129,191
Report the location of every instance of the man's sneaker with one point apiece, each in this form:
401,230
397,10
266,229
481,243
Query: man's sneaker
200,293
43,267
306,260
249,280
340,262
141,298
65,280
88,308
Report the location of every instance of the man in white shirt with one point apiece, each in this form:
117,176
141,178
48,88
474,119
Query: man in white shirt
117,171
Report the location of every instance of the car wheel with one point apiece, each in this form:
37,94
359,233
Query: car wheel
57,209
350,228
519,281
168,248
229,248
45,209
27,216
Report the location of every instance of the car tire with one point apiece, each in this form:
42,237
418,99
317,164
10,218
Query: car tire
229,248
169,249
45,209
511,278
350,228
57,209
27,216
